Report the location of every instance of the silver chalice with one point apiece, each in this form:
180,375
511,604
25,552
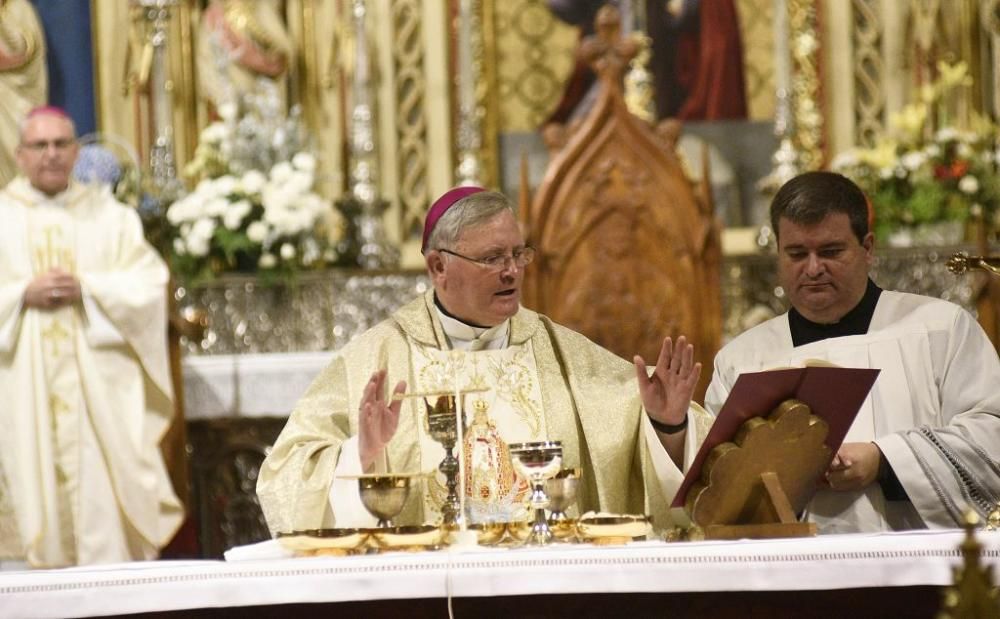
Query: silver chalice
537,462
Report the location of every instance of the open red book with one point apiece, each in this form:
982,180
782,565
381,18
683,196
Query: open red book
834,394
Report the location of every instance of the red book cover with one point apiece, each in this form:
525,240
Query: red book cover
834,394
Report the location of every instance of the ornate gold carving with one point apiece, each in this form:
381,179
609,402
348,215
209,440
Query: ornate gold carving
925,26
806,85
468,94
310,86
869,77
411,119
534,56
961,262
757,34
639,93
486,97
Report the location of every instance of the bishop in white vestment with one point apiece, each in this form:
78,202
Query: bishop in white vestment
630,433
83,367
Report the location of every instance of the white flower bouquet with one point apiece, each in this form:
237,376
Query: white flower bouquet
242,219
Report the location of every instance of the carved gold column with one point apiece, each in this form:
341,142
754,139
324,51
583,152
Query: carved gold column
990,16
468,131
487,94
364,203
154,88
806,86
640,92
785,161
320,29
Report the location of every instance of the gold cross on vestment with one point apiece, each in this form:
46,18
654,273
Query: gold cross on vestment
55,333
53,253
57,406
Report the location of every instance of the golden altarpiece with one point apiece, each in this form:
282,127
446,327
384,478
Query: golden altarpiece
459,90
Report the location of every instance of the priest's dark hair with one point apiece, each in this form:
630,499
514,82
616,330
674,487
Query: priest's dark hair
808,198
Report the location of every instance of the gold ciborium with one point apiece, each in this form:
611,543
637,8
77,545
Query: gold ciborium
442,426
384,495
537,462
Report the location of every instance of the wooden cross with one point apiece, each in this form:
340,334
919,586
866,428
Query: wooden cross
606,51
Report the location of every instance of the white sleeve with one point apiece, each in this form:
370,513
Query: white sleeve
11,311
9,329
345,500
667,474
98,328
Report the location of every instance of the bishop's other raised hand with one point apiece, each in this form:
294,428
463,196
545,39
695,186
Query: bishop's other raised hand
667,392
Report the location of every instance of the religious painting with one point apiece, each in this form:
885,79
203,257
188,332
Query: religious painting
711,65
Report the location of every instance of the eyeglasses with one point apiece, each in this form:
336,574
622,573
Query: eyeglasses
521,256
41,146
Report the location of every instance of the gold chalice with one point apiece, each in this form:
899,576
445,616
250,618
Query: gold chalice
537,461
561,490
442,425
384,495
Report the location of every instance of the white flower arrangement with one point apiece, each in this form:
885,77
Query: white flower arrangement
240,218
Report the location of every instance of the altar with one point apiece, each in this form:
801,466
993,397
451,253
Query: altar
897,575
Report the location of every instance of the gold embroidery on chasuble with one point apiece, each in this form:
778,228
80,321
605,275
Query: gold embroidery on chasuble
508,411
54,334
50,252
52,242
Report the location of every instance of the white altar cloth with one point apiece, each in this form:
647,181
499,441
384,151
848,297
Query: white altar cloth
830,562
264,385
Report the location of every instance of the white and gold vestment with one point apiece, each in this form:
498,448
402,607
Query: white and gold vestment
545,382
86,388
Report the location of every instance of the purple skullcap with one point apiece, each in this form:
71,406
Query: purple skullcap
441,206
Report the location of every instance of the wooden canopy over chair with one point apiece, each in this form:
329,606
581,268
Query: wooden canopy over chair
628,247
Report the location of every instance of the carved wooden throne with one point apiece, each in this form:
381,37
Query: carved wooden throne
628,247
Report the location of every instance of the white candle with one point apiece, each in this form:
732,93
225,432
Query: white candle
782,57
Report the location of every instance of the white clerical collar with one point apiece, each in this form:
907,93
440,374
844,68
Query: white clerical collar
464,336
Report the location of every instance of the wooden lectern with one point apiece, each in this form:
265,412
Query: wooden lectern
755,485
773,439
